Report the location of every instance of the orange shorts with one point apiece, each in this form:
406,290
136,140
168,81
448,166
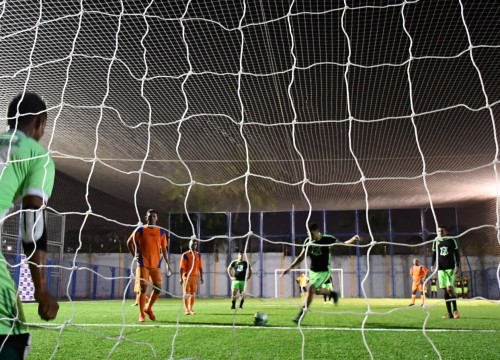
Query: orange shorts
418,286
153,274
191,287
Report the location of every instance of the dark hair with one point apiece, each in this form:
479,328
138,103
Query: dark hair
150,211
313,227
444,227
30,107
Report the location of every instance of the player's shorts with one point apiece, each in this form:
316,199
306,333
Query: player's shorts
190,285
418,286
434,288
153,274
317,279
16,347
446,278
458,290
303,289
238,285
328,286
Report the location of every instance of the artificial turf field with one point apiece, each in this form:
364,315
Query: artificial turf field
109,330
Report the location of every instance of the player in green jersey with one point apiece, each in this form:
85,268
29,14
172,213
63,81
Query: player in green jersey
446,257
239,271
26,172
317,246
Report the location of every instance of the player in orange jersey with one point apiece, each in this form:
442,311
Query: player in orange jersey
148,243
191,267
418,273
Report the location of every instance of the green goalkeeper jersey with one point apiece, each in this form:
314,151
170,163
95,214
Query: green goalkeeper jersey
26,169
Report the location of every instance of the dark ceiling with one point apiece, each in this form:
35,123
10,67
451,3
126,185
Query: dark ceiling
266,105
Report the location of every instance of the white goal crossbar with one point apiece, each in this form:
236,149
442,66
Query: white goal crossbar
337,276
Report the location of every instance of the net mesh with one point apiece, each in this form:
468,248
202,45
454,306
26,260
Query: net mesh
264,105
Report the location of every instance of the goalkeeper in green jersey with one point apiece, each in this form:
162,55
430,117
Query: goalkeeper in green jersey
317,246
26,172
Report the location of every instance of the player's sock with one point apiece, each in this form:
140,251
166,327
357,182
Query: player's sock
324,297
454,303
335,297
233,304
297,318
448,304
191,303
241,303
186,305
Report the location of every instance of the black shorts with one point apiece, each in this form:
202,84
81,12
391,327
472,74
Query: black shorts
16,347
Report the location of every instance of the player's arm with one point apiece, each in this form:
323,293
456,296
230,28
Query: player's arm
434,246
34,238
354,239
297,261
201,271
229,270
131,244
249,272
165,256
182,267
456,253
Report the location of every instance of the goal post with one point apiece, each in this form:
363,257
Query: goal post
337,277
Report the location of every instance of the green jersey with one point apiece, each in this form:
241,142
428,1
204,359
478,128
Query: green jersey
239,269
320,255
26,169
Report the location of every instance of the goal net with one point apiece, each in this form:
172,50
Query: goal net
285,286
384,109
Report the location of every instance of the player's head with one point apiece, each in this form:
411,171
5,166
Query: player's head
193,244
240,255
415,262
151,217
315,231
442,231
31,117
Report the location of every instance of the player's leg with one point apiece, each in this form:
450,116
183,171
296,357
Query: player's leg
422,294
137,286
194,290
443,280
413,294
155,277
234,294
242,292
327,289
15,347
452,296
144,274
186,289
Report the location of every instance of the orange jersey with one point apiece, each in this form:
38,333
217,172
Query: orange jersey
150,241
187,263
418,273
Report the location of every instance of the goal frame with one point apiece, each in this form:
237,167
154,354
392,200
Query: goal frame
277,273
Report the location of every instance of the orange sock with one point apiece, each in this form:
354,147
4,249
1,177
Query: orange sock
186,304
142,303
191,302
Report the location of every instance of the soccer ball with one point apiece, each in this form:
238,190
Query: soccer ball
260,319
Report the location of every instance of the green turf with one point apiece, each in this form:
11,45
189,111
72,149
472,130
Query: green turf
393,331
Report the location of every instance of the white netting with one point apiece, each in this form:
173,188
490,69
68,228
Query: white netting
250,106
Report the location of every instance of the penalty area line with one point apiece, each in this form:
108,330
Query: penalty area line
214,326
